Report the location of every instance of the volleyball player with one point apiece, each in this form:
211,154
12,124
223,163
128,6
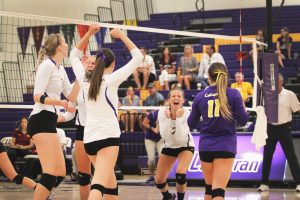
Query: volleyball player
102,132
8,169
220,107
51,80
83,162
178,145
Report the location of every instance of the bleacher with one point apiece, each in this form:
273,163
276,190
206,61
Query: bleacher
132,145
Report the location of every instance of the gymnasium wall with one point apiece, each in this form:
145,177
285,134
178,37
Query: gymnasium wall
74,9
168,6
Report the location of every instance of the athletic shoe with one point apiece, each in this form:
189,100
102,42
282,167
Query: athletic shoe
263,188
172,197
150,179
297,188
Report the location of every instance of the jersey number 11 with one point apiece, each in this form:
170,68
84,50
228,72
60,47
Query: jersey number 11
213,108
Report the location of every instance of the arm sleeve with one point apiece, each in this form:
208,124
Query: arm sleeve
294,102
164,124
201,68
181,125
195,114
42,79
67,87
77,66
123,73
240,111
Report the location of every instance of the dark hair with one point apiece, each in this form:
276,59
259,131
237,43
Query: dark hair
104,59
218,73
213,48
170,52
142,47
161,102
18,124
285,29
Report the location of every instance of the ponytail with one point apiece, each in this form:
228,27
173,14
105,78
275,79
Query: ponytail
218,73
104,59
41,56
96,79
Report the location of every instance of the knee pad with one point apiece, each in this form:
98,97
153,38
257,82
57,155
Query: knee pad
218,192
84,179
98,187
18,179
208,189
48,181
161,186
59,180
180,179
111,191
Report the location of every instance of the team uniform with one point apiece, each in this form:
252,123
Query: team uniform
176,134
102,126
2,148
80,116
51,80
217,135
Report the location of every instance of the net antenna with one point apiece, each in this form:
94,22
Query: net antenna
234,39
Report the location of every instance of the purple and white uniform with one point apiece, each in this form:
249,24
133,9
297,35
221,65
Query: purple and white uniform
217,133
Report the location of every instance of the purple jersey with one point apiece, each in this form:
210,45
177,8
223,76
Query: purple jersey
152,116
217,133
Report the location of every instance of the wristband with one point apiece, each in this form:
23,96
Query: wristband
42,99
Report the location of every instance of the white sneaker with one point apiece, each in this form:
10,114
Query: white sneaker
263,188
297,188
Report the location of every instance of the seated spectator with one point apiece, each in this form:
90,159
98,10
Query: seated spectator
245,88
261,37
188,67
146,71
129,117
154,98
167,67
210,57
284,46
21,144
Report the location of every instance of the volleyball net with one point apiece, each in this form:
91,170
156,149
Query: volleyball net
22,35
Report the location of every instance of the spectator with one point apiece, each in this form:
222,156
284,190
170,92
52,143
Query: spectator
284,46
153,142
129,117
188,67
21,144
245,88
145,71
154,98
167,67
281,132
210,57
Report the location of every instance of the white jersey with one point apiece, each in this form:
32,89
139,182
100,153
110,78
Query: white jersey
101,115
81,110
175,133
50,80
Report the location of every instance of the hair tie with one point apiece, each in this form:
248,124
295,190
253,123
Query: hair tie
101,54
43,47
219,73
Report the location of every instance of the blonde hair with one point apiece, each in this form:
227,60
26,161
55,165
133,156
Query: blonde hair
51,43
218,73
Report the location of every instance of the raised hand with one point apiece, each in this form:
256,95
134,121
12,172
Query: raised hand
117,33
94,28
179,112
